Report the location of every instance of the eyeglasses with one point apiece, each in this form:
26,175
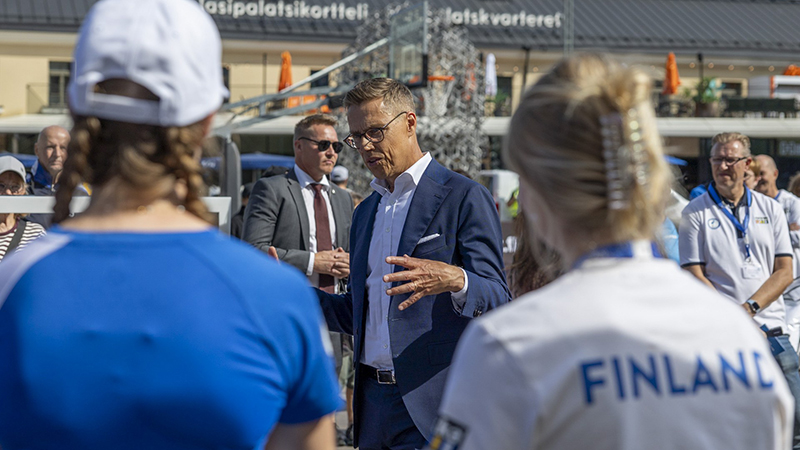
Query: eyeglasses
13,188
374,135
717,161
324,145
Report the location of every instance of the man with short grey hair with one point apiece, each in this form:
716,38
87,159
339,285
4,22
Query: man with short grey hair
737,242
427,249
51,155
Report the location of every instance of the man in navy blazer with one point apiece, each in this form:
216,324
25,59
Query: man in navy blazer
426,257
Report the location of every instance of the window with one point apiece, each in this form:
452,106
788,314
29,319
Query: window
319,82
226,80
503,97
731,89
59,79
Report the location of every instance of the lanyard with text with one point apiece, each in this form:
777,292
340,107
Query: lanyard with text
712,191
622,250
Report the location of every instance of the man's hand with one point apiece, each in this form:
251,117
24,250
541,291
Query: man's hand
794,227
273,253
425,277
749,311
332,262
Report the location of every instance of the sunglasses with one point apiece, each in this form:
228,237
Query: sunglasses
323,145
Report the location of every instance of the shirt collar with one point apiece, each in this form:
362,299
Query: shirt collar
305,179
407,180
41,176
729,203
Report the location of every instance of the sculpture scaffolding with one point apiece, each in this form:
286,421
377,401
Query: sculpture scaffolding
450,111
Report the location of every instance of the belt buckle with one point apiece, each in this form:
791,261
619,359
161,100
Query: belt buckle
386,377
775,332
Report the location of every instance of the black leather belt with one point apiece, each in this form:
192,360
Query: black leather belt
381,376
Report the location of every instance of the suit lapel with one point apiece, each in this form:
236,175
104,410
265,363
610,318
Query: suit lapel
363,234
428,197
297,196
359,257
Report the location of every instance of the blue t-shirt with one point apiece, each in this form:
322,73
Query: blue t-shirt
156,341
698,191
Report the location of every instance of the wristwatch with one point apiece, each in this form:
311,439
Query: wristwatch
754,308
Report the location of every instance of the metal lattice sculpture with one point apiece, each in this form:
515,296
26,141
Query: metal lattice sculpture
450,112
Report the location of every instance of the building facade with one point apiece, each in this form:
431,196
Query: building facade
731,41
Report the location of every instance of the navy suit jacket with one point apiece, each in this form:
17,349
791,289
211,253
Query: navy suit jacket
424,336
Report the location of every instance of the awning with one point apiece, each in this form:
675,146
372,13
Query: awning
35,123
767,128
32,123
252,161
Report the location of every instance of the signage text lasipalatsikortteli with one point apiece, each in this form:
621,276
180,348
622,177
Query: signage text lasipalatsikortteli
288,10
357,12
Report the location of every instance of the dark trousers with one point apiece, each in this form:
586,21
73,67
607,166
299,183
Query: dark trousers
384,420
789,364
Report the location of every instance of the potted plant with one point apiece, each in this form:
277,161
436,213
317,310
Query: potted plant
499,103
705,95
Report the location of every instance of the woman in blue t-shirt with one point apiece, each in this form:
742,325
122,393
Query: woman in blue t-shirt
136,324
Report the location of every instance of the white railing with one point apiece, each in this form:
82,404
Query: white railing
29,204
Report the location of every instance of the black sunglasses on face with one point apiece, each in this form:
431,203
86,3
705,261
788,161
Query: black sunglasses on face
323,145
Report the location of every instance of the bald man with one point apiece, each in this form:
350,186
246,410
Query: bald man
51,154
791,206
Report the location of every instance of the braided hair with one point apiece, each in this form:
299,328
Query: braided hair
152,160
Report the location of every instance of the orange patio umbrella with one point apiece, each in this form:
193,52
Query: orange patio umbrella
286,71
671,79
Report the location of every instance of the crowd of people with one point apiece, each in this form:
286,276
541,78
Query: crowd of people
136,324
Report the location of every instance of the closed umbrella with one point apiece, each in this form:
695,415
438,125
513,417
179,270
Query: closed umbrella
491,75
286,71
671,79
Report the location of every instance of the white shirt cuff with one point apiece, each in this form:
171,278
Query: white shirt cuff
460,298
310,269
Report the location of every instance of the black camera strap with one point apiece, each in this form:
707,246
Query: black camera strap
17,238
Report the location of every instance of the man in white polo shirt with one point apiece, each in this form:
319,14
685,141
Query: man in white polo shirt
737,242
768,186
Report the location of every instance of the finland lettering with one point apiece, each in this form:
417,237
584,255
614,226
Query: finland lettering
629,377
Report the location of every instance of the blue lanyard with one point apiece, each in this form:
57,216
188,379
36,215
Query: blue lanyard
712,191
618,250
779,194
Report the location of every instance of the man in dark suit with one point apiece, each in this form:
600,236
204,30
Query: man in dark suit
427,257
304,216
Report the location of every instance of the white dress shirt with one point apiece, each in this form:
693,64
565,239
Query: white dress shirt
307,188
386,232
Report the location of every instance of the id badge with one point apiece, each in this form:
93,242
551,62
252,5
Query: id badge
751,271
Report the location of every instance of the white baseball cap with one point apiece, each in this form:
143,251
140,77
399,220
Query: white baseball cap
11,164
339,174
171,47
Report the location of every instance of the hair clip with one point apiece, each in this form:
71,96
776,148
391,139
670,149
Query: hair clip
624,156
